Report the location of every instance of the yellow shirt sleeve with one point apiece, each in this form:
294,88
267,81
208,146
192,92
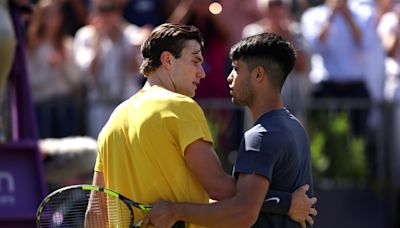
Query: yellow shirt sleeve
188,124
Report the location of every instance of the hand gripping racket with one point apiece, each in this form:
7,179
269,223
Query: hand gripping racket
90,206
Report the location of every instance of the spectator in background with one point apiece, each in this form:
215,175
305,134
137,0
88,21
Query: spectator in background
75,15
148,12
105,51
383,6
375,53
344,35
7,44
217,35
54,77
277,18
239,13
341,34
375,79
389,31
7,49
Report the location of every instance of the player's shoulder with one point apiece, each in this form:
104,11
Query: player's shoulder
253,137
263,131
273,127
120,114
160,92
186,102
167,103
177,100
185,108
121,108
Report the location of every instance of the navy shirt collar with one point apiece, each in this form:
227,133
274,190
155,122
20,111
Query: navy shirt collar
272,113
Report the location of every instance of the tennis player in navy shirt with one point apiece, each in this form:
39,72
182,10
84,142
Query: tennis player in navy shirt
274,153
277,148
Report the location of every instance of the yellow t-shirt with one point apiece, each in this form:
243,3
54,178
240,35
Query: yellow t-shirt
141,147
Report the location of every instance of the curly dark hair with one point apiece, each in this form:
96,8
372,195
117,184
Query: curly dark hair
167,37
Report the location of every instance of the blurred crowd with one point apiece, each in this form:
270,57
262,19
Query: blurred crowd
83,56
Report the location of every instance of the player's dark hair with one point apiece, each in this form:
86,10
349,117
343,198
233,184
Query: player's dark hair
167,37
275,54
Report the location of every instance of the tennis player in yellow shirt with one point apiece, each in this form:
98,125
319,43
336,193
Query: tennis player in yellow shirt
155,144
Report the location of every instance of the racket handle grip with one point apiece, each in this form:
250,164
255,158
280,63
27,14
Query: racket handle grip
179,224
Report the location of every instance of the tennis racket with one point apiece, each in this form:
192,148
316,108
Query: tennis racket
90,206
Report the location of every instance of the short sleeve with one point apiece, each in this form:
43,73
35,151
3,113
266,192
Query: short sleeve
188,124
259,152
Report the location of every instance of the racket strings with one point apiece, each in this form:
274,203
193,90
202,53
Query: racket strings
71,208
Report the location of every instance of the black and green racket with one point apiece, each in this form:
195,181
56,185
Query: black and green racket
90,206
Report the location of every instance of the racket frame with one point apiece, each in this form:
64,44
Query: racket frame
84,187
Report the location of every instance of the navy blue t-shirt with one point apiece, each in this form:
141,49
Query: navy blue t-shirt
276,147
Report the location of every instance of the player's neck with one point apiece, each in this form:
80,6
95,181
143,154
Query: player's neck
159,79
261,106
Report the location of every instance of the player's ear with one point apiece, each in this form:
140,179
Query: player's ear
165,59
259,73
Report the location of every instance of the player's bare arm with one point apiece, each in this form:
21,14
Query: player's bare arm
241,210
92,211
205,165
221,186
